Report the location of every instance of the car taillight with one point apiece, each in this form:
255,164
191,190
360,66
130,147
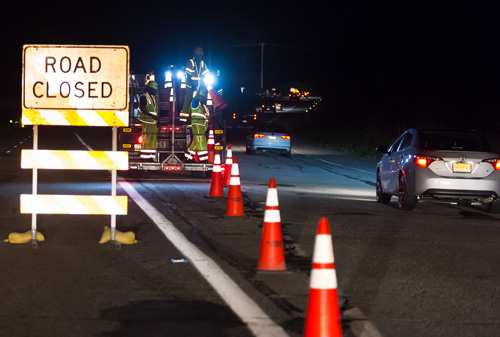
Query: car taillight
287,137
255,117
234,116
425,161
495,162
140,139
258,135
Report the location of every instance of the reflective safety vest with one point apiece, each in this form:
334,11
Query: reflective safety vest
151,107
195,72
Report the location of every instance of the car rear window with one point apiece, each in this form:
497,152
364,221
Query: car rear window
271,128
454,141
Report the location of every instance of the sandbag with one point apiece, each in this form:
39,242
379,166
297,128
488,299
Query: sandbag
24,237
125,238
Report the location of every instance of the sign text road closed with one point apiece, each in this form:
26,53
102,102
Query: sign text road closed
70,77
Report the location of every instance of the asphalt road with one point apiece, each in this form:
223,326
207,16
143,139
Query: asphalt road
428,272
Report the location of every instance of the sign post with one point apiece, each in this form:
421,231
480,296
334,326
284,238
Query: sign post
73,85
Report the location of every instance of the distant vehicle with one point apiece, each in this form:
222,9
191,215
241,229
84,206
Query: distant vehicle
439,165
269,137
294,96
268,107
244,118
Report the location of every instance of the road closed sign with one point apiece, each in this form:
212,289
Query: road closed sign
75,85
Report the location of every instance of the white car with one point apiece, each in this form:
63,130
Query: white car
269,137
439,165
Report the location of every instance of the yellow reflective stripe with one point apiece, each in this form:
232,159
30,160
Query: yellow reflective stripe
75,117
74,160
73,204
197,114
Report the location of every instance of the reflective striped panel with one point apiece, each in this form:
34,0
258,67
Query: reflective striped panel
74,160
75,117
73,204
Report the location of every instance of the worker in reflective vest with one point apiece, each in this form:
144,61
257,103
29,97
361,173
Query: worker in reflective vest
194,106
195,70
148,115
197,151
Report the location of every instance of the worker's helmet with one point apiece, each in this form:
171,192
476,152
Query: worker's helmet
150,81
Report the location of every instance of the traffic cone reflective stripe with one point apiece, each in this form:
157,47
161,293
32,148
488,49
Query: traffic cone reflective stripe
216,188
227,166
234,199
272,255
323,312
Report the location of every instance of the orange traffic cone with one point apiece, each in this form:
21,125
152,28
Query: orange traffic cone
210,146
217,99
216,188
234,200
323,312
272,254
227,166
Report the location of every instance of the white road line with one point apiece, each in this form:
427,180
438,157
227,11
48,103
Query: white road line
242,305
350,167
249,312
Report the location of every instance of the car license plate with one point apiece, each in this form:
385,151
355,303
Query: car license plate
272,137
462,167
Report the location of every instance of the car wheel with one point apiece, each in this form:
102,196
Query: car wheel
249,149
406,201
382,197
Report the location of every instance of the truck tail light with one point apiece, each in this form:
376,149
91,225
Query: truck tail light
171,128
172,168
140,140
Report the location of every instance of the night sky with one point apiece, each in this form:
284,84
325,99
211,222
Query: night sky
367,58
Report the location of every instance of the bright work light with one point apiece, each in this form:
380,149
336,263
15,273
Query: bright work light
209,79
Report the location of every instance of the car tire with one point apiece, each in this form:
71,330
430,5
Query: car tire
406,201
249,150
382,197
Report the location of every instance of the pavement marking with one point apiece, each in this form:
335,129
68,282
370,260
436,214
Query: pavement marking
242,305
249,312
350,167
